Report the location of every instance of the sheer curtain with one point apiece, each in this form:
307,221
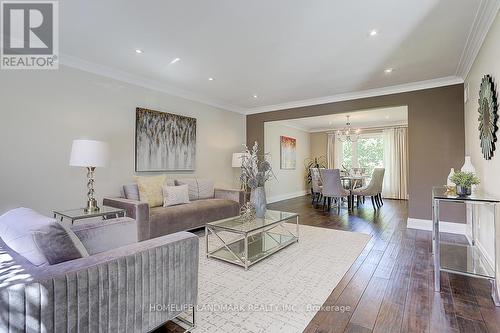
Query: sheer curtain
396,163
334,152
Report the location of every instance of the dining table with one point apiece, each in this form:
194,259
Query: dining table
353,181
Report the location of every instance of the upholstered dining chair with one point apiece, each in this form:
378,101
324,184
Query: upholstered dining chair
316,185
373,189
332,188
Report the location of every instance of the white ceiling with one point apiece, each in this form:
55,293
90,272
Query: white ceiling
288,52
359,119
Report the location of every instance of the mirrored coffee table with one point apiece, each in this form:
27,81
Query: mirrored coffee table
245,243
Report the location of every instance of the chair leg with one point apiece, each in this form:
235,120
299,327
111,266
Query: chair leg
377,201
324,203
380,198
373,203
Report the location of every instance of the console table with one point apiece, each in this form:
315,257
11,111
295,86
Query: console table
462,259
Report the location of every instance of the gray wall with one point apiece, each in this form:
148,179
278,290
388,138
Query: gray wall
435,137
43,111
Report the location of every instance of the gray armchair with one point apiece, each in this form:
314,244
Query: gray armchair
332,187
135,288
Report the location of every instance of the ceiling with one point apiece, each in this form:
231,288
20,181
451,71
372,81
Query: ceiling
359,119
285,52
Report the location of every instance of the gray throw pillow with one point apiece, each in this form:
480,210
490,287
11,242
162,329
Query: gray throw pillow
131,191
197,188
56,244
15,230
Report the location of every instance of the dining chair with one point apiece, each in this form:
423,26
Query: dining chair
373,189
316,185
332,188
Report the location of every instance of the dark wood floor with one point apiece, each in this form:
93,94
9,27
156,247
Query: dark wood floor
389,288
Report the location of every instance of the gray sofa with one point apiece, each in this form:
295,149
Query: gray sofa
134,288
159,221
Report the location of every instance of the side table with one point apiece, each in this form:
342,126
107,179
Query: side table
73,215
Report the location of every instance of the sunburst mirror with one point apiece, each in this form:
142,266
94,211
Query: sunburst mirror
488,116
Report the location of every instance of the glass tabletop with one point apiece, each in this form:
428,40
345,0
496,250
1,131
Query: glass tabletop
80,213
442,193
238,224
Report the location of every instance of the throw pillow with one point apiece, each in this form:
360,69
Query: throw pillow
175,195
54,241
15,231
198,188
131,191
150,189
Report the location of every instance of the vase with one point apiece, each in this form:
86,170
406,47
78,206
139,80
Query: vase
448,181
258,201
468,167
463,191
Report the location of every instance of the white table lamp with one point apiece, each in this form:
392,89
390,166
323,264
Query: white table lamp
89,154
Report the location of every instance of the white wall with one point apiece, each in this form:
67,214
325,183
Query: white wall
289,183
487,62
41,112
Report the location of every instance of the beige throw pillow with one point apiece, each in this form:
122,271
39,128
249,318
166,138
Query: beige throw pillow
150,189
175,195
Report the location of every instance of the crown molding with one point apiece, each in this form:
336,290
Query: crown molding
483,20
87,66
420,85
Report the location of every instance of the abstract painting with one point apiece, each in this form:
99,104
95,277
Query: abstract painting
288,152
164,141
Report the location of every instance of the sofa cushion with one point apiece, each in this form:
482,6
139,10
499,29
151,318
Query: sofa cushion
15,230
167,220
175,195
198,188
54,241
105,235
150,189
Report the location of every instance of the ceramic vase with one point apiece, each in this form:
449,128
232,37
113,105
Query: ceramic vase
468,167
448,181
258,201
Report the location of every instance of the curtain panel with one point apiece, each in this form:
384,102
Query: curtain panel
396,163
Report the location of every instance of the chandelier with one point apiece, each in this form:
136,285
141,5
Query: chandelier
348,133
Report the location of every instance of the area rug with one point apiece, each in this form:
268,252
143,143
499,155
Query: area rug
281,293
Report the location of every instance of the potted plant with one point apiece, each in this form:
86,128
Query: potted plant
464,181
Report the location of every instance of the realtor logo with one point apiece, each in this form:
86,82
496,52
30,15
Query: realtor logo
29,32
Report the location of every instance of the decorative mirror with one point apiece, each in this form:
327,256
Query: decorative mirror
487,116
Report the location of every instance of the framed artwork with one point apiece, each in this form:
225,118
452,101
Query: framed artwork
164,141
288,147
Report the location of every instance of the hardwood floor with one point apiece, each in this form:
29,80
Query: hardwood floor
389,288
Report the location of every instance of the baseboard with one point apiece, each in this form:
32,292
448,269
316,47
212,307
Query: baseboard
448,227
287,196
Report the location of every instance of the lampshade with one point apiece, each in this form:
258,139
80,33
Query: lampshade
88,153
238,160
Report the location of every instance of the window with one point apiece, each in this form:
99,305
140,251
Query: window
367,152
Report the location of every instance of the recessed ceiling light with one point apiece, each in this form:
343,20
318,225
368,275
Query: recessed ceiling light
255,96
388,70
210,79
373,33
175,60
139,51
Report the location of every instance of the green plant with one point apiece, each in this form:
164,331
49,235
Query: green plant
464,179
